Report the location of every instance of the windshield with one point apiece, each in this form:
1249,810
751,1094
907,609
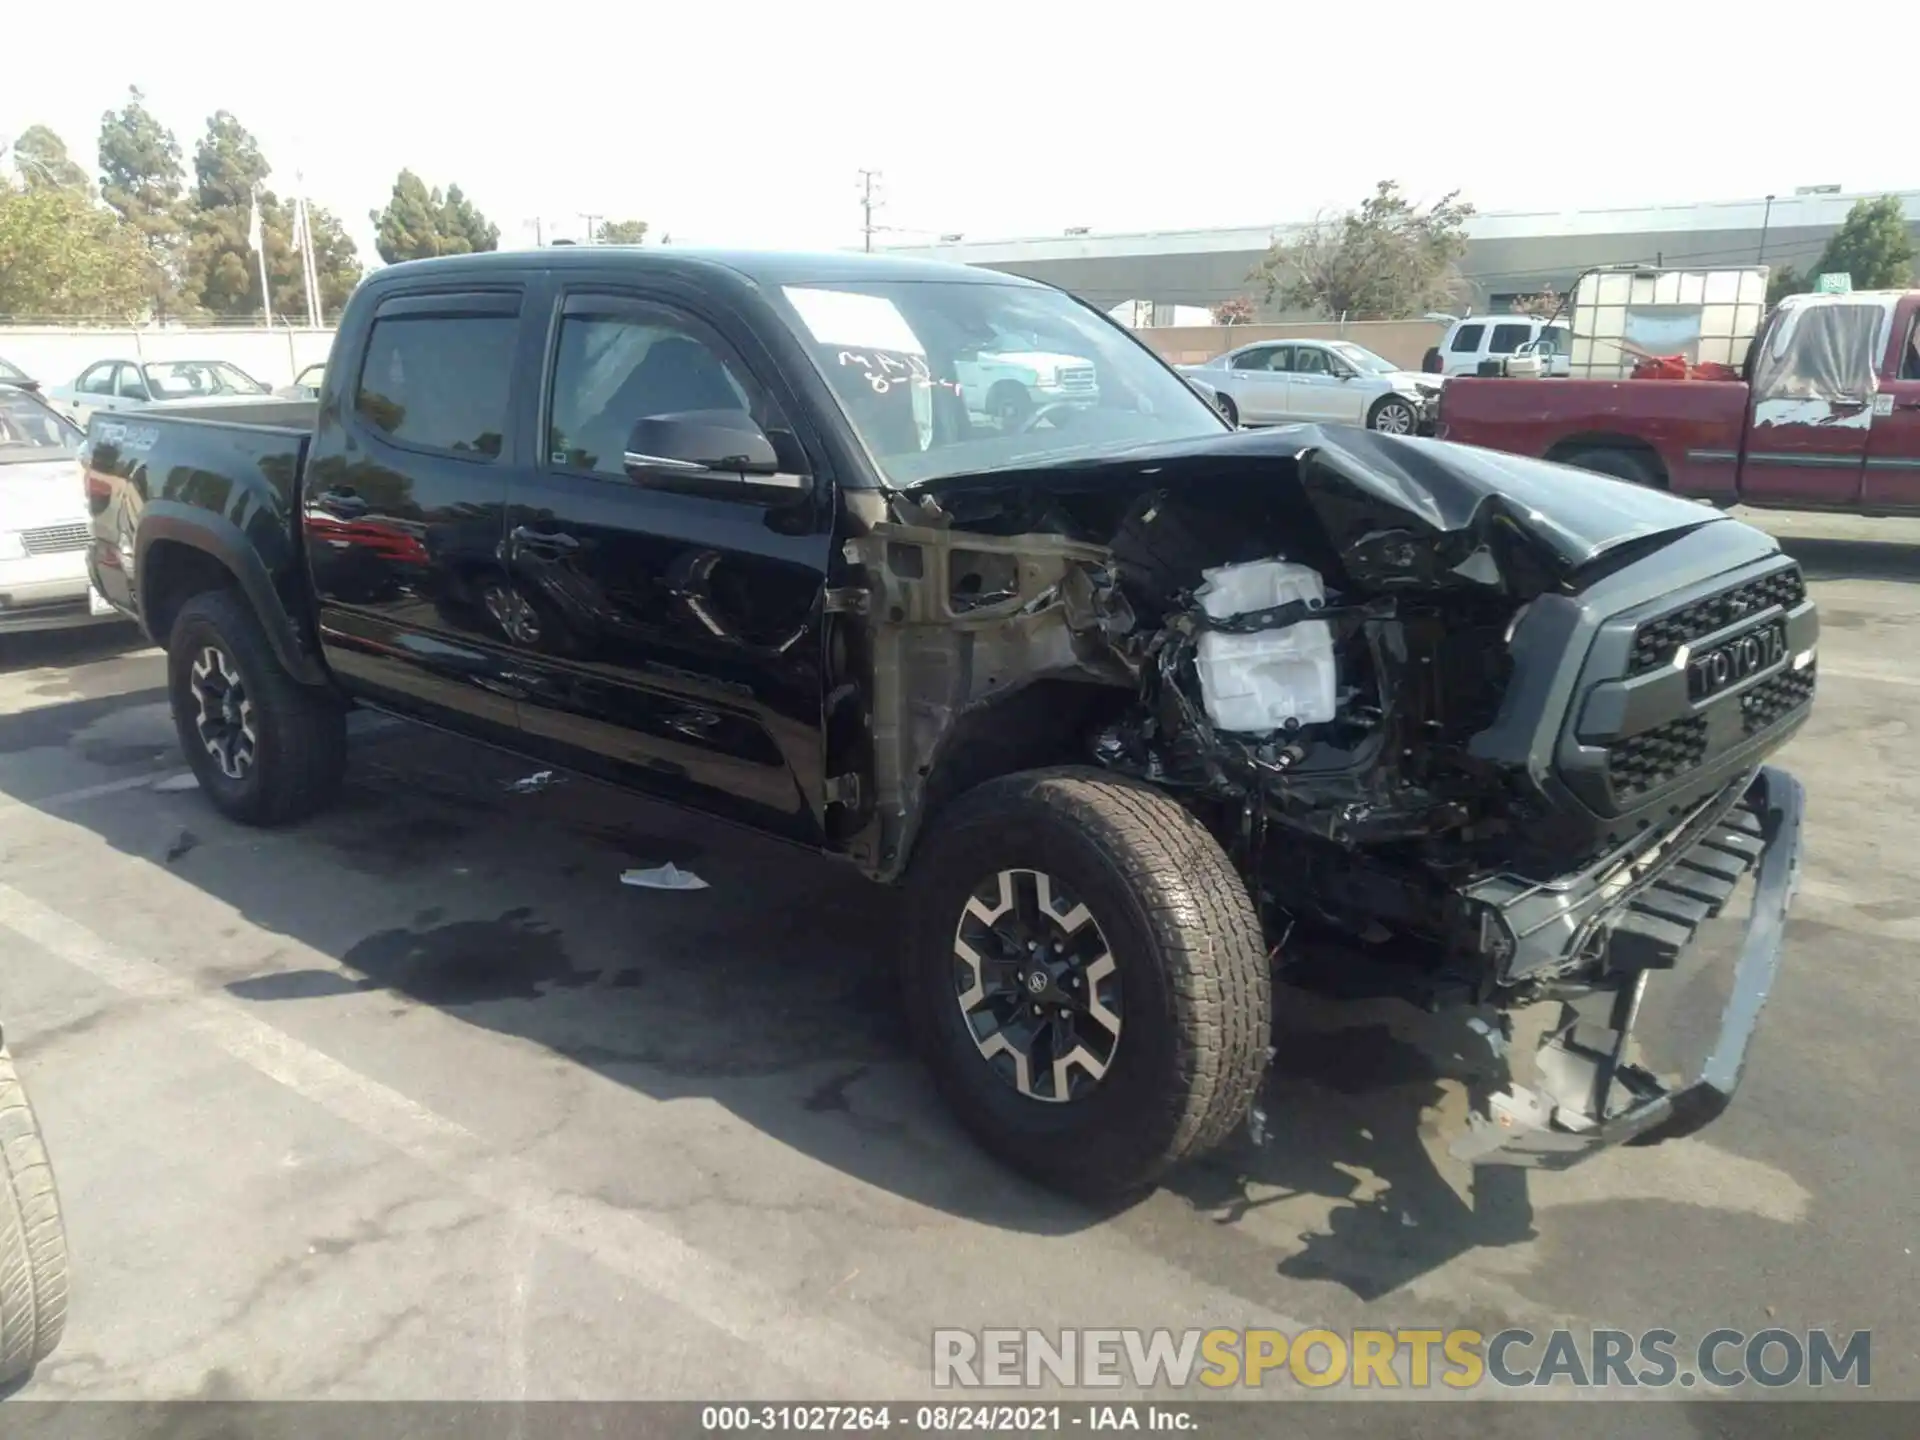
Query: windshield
31,431
952,377
178,379
1363,359
11,372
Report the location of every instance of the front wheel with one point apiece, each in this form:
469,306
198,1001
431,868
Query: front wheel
265,748
1393,416
33,1241
1086,979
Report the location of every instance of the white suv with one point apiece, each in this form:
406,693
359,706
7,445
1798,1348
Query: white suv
1478,338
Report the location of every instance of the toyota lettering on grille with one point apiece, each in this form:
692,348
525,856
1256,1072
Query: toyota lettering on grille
1724,665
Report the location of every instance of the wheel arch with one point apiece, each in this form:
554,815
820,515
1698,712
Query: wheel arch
182,550
1642,451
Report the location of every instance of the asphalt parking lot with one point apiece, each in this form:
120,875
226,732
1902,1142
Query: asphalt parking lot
417,1100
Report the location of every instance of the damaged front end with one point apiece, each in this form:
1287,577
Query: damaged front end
1445,709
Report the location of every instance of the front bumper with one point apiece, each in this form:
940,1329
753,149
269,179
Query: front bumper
36,595
1586,1094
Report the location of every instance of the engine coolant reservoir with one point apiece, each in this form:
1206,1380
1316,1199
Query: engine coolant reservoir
1256,683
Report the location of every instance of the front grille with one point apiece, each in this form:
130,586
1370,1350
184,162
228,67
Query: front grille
1647,761
1656,642
1080,379
1773,699
55,539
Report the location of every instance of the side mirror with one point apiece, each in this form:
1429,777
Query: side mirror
710,452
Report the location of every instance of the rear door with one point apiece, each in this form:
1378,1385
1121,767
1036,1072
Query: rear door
1892,478
404,510
669,641
1462,355
1258,383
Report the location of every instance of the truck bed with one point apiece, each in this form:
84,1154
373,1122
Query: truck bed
228,472
1671,422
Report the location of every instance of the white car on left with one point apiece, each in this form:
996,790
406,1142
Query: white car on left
120,385
45,526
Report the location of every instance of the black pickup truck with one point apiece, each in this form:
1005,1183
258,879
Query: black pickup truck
1142,711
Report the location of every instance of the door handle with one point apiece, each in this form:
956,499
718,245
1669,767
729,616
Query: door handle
1907,405
542,539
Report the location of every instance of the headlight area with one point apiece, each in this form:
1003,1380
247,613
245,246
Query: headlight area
12,545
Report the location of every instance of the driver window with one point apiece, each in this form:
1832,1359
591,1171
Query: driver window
610,373
131,386
1910,358
1309,361
97,381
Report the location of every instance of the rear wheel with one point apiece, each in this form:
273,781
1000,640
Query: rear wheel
1620,464
1230,411
1086,979
33,1242
265,748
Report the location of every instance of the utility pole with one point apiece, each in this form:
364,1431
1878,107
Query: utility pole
1766,221
539,232
591,220
868,204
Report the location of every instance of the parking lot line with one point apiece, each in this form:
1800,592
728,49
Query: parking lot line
794,1336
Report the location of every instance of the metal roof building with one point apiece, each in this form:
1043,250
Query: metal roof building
1509,253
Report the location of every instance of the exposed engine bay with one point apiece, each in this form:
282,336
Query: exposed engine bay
1311,637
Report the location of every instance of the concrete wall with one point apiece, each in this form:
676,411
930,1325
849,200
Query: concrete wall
1405,342
56,356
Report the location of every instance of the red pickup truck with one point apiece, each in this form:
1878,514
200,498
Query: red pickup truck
1826,415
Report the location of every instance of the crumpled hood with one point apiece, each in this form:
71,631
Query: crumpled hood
1402,513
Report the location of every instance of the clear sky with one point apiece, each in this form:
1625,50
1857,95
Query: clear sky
744,121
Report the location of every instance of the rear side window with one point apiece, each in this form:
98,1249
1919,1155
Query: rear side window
440,382
1254,359
1467,339
1509,338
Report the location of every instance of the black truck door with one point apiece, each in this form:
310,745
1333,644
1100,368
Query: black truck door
669,641
404,509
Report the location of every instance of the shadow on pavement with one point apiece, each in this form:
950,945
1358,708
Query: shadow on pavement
84,645
771,993
1824,558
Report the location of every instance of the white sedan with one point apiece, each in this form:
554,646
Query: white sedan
45,526
1284,382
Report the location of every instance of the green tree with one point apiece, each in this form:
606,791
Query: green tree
1873,245
223,270
622,232
1384,261
141,178
419,223
41,160
460,221
62,256
1783,281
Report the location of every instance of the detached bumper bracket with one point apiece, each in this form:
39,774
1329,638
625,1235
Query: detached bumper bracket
1587,1102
